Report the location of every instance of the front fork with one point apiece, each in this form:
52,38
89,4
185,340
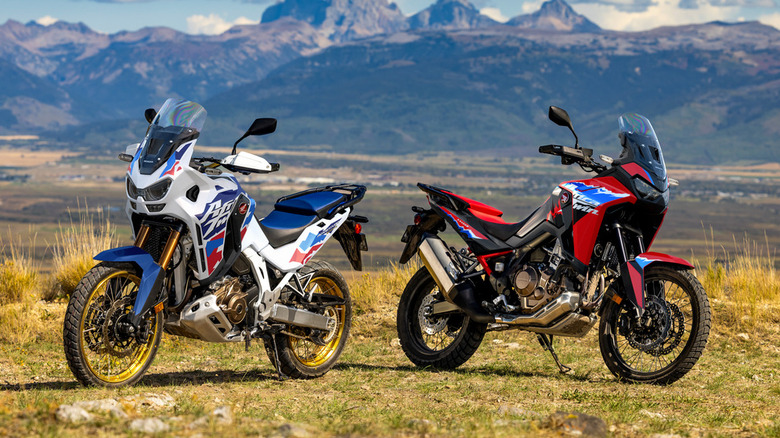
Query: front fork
631,272
147,298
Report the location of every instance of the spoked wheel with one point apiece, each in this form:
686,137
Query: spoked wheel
439,341
308,353
665,343
98,346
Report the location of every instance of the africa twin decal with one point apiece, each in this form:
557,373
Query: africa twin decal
213,221
588,198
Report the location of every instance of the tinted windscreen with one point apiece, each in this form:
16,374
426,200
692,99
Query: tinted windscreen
643,147
160,144
178,122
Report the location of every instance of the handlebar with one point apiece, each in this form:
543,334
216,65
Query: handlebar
197,164
569,155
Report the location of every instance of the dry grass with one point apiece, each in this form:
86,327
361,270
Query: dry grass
380,290
76,245
18,274
745,282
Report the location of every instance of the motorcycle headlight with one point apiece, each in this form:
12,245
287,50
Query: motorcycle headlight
646,190
157,191
132,190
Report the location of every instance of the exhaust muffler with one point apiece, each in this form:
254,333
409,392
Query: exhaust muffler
438,260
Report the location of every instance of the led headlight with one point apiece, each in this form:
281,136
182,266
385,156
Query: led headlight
646,190
157,191
154,192
132,190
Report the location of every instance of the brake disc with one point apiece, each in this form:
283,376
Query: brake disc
430,324
114,343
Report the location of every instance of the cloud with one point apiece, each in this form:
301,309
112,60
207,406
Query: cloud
213,24
660,13
46,20
625,5
771,20
495,14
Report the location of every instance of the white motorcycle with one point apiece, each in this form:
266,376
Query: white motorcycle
204,267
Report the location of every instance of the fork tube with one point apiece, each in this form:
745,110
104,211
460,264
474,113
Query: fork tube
170,246
143,234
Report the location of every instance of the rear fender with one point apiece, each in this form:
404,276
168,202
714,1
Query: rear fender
152,276
632,274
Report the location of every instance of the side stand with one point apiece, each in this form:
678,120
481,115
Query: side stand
547,344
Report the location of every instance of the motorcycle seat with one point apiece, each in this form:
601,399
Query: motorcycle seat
282,227
504,230
319,204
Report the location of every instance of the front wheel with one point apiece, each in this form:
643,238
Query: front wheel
98,347
665,343
303,353
446,341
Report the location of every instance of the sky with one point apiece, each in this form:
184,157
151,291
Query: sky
216,16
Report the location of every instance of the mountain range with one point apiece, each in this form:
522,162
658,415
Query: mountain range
358,75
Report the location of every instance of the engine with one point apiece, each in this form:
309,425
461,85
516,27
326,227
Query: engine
527,287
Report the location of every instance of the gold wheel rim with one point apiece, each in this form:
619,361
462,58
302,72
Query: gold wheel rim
307,352
99,353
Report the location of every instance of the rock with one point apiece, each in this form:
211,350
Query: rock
422,424
744,336
104,405
293,431
150,400
518,412
577,423
647,413
200,422
72,414
149,425
512,346
395,342
223,415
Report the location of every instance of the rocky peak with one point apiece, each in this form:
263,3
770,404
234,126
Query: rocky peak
341,20
449,14
555,15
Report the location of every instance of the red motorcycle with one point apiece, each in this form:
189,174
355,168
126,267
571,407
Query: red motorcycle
582,255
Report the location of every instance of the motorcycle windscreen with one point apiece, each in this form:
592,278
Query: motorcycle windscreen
178,122
642,147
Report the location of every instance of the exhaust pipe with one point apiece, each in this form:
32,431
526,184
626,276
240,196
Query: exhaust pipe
438,260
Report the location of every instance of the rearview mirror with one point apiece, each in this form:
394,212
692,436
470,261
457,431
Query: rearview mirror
150,114
560,117
261,126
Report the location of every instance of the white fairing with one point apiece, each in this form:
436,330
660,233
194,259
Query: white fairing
207,217
163,185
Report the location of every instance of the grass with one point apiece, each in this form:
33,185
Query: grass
511,387
76,245
745,282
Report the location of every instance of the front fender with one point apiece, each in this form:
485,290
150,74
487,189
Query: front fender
152,275
632,274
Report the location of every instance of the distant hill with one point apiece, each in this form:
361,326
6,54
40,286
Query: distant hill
555,15
711,91
358,75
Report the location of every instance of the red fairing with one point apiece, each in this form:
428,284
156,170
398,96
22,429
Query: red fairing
586,230
637,283
477,206
634,169
665,258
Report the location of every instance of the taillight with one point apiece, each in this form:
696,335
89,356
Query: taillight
358,228
417,219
